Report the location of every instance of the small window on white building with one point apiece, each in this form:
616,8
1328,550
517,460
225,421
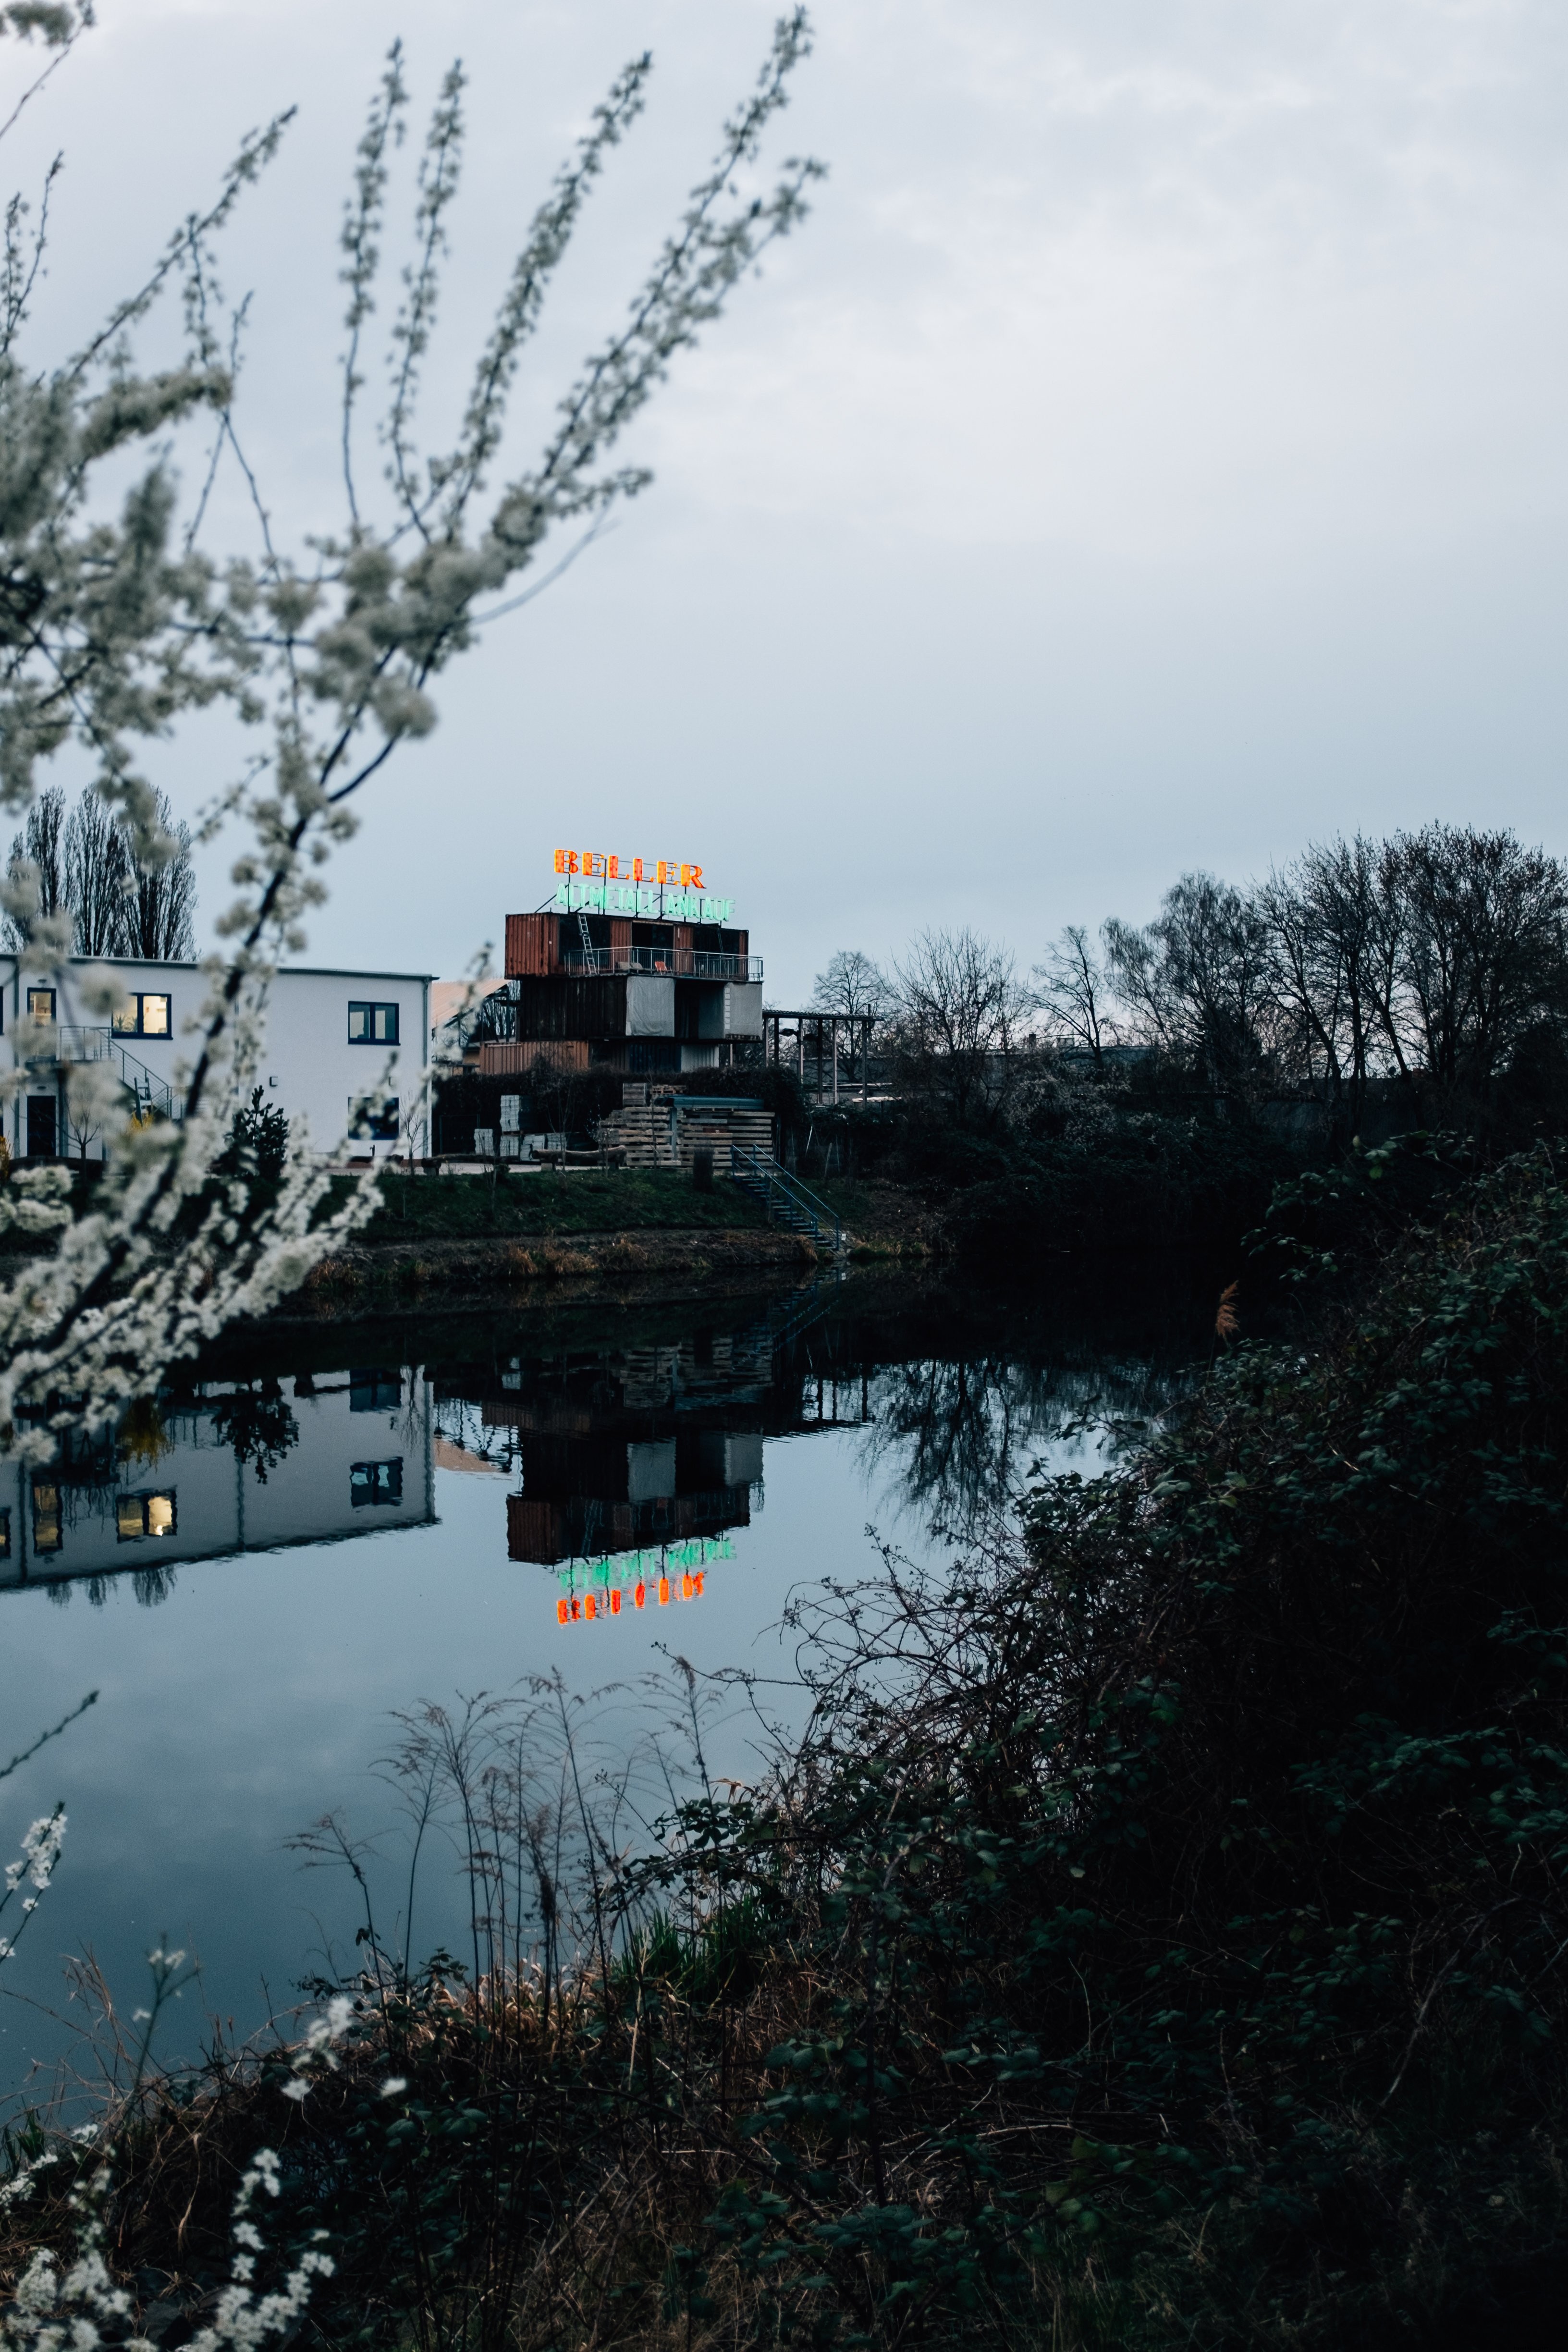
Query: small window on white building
378,1122
145,1016
40,1005
376,1482
373,1024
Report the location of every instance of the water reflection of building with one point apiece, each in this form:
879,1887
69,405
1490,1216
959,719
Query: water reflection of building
221,1469
633,1465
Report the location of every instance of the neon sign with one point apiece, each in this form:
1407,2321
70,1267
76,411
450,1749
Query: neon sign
594,866
652,889
604,1588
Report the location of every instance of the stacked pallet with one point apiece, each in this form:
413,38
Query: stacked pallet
718,1131
665,1133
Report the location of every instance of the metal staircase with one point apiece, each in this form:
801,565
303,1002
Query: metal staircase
786,1200
152,1095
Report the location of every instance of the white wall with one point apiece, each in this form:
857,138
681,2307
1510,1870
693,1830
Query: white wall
310,1069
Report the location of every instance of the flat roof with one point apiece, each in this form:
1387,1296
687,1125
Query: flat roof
296,970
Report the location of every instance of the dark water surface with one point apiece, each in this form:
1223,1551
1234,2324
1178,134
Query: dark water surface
325,1526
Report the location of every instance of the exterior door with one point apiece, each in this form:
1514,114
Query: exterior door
41,1127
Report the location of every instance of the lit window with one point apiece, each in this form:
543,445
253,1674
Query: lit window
136,1516
46,1515
40,1005
5,1535
376,1482
373,1024
145,1016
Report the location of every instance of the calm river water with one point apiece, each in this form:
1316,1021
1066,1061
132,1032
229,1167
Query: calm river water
327,1526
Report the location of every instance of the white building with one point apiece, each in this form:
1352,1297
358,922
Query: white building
333,1038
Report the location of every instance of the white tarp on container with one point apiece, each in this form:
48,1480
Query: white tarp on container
650,1472
651,1006
743,1008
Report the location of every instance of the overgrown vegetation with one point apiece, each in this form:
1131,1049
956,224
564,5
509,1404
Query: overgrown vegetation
1156,1940
1151,1088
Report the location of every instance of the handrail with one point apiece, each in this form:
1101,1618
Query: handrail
682,964
769,1174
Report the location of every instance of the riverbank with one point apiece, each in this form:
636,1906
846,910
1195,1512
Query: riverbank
459,1240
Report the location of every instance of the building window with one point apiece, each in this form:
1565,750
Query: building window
40,1005
136,1516
376,1482
365,1120
46,1515
374,1391
145,1016
373,1024
5,1535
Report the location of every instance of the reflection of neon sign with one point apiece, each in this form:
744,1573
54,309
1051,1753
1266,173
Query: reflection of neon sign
590,1589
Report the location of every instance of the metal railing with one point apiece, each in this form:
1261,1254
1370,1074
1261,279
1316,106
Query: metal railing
787,1200
685,963
80,1042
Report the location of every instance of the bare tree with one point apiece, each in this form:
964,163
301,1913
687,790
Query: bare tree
959,1017
1329,927
1197,980
1075,991
1483,958
852,984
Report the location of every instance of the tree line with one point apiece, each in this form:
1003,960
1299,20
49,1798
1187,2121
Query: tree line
1438,957
79,861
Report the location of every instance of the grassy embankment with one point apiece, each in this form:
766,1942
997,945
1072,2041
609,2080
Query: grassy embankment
1157,1940
452,1237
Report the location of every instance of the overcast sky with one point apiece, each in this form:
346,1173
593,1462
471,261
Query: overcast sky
1149,455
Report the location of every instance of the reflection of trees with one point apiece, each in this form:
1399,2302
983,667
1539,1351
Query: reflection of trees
957,1439
259,1422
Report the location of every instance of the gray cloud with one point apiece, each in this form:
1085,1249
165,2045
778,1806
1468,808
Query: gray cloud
1149,455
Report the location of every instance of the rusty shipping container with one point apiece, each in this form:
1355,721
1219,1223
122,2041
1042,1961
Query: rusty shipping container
568,1007
532,945
516,1061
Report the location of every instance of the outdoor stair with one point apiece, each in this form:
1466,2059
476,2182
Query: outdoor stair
150,1094
786,1200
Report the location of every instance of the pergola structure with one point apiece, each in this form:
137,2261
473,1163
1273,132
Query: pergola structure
824,1028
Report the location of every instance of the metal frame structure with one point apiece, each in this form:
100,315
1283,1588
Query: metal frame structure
827,1049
